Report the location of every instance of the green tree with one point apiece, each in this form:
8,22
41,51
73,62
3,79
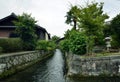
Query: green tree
55,38
115,28
72,16
26,30
92,19
107,30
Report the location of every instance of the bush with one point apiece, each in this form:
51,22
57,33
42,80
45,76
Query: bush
42,45
11,44
51,45
64,45
75,42
45,45
78,43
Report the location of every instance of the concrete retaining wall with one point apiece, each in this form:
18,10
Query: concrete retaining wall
93,66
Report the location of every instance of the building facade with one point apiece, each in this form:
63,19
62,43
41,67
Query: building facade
7,28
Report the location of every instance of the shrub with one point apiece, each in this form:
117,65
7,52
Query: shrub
77,43
42,45
45,45
11,44
51,45
64,45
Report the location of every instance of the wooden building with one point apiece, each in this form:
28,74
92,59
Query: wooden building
7,28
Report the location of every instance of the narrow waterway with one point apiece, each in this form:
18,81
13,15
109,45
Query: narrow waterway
50,70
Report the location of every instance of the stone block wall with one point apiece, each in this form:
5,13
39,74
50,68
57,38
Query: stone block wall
9,61
93,66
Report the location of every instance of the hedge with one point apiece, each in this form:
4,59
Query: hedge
45,45
11,44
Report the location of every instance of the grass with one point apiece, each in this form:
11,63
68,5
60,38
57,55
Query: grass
107,54
102,54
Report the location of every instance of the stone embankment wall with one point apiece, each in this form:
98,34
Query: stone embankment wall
95,66
11,63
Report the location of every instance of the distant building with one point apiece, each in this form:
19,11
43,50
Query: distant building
7,28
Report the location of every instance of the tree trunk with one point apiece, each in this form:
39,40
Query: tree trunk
75,24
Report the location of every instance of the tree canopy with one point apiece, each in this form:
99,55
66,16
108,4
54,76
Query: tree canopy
115,29
55,38
91,19
72,16
26,30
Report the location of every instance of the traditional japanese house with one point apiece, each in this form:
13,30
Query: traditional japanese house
7,28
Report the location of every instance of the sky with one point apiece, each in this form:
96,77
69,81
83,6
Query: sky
50,14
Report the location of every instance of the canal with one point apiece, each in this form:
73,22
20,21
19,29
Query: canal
52,70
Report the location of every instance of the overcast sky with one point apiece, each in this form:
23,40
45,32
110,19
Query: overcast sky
50,14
